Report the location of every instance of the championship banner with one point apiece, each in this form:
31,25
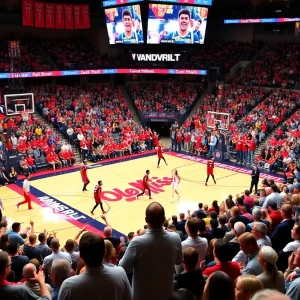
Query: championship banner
50,20
39,16
27,12
85,16
77,17
68,16
59,16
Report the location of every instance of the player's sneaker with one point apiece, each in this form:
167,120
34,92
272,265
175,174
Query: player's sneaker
178,198
17,205
92,213
104,212
206,183
172,200
215,182
150,198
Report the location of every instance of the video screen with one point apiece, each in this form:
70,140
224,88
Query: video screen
124,25
176,24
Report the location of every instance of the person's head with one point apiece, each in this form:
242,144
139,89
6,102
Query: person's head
222,220
100,182
147,172
259,230
37,264
155,215
256,214
127,20
262,193
246,286
218,286
216,206
190,258
198,23
13,249
273,205
200,205
205,207
201,225
297,258
60,271
174,218
214,215
296,231
229,203
27,176
32,239
244,210
231,222
28,271
255,168
69,246
137,23
16,227
175,172
107,232
192,226
91,249
285,190
247,193
130,236
184,17
267,257
182,294
235,212
5,264
239,228
181,216
240,201
256,202
214,224
248,243
222,250
286,211
268,190
110,251
267,294
274,188
55,245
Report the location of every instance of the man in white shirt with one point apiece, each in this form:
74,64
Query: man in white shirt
260,231
151,258
273,197
26,192
14,140
194,241
98,281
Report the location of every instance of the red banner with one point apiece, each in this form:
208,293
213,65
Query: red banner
39,9
59,16
85,16
27,12
69,16
77,17
49,10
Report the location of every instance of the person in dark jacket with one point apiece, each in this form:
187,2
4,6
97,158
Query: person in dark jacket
254,179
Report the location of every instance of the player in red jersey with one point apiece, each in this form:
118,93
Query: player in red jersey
97,197
210,170
160,153
84,177
145,186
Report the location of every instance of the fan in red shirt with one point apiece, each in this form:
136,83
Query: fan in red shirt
84,177
145,186
97,197
160,153
210,170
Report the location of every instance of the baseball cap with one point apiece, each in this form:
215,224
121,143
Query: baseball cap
269,255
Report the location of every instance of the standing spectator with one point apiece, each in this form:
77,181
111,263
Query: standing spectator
273,197
157,251
19,292
98,281
281,236
42,246
30,250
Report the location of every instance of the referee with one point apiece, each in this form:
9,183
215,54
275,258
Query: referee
254,178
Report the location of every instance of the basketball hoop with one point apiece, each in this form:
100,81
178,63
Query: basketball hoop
25,115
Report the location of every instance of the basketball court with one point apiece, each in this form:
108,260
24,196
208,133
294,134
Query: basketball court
61,206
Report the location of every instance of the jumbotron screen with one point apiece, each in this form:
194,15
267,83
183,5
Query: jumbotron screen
176,24
124,25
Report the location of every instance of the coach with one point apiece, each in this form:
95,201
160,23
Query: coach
254,178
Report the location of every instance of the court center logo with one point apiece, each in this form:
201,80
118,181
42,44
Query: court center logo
156,185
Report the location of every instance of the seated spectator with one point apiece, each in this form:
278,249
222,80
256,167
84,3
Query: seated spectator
271,277
4,178
222,257
29,273
13,175
218,286
191,278
267,294
10,291
110,254
215,231
24,165
260,231
239,229
247,286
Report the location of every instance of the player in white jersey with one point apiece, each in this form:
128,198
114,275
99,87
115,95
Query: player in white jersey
175,185
26,191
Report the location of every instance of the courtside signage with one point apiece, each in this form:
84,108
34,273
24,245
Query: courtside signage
256,21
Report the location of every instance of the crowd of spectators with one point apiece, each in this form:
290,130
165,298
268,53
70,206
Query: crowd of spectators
164,97
96,118
223,55
31,58
278,66
235,251
74,54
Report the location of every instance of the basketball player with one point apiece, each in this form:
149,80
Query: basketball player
160,153
97,197
128,36
145,186
84,177
26,190
175,185
210,170
183,35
